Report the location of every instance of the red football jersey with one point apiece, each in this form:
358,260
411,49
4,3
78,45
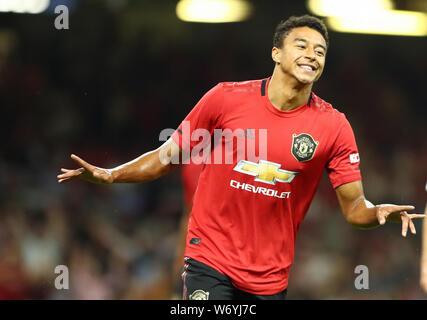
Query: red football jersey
247,211
190,176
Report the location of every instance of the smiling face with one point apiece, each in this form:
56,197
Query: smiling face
302,54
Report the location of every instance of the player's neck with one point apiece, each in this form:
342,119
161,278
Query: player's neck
286,93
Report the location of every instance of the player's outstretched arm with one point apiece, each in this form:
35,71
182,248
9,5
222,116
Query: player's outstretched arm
146,167
362,214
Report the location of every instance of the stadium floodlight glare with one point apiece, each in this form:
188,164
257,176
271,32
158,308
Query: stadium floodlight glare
395,22
24,6
341,8
213,11
370,17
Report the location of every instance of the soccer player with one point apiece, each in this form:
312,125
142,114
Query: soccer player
246,214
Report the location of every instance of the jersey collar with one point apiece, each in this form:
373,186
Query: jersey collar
273,109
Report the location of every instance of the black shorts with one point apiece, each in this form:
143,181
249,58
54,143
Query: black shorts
202,282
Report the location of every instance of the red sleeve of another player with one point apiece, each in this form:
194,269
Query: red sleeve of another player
343,164
199,124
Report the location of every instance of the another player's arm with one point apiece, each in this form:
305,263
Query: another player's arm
423,280
147,167
363,214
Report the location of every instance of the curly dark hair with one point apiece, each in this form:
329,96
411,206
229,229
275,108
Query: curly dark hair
285,26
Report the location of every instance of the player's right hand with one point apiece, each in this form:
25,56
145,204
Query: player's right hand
87,172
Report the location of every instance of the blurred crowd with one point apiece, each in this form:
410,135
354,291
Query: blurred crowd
106,88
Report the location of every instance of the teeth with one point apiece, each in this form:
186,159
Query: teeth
307,68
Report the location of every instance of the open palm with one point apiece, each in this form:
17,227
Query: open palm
87,172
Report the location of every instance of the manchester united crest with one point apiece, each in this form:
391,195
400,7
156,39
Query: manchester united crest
303,146
199,295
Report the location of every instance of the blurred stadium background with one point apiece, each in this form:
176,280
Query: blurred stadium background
125,70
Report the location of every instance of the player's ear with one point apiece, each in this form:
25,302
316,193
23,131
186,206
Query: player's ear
276,54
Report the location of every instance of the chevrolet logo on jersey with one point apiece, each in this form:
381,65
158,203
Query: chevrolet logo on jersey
265,171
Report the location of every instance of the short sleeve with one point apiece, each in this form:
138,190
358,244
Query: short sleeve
343,164
201,121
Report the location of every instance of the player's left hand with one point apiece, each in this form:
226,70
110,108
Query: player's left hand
397,214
